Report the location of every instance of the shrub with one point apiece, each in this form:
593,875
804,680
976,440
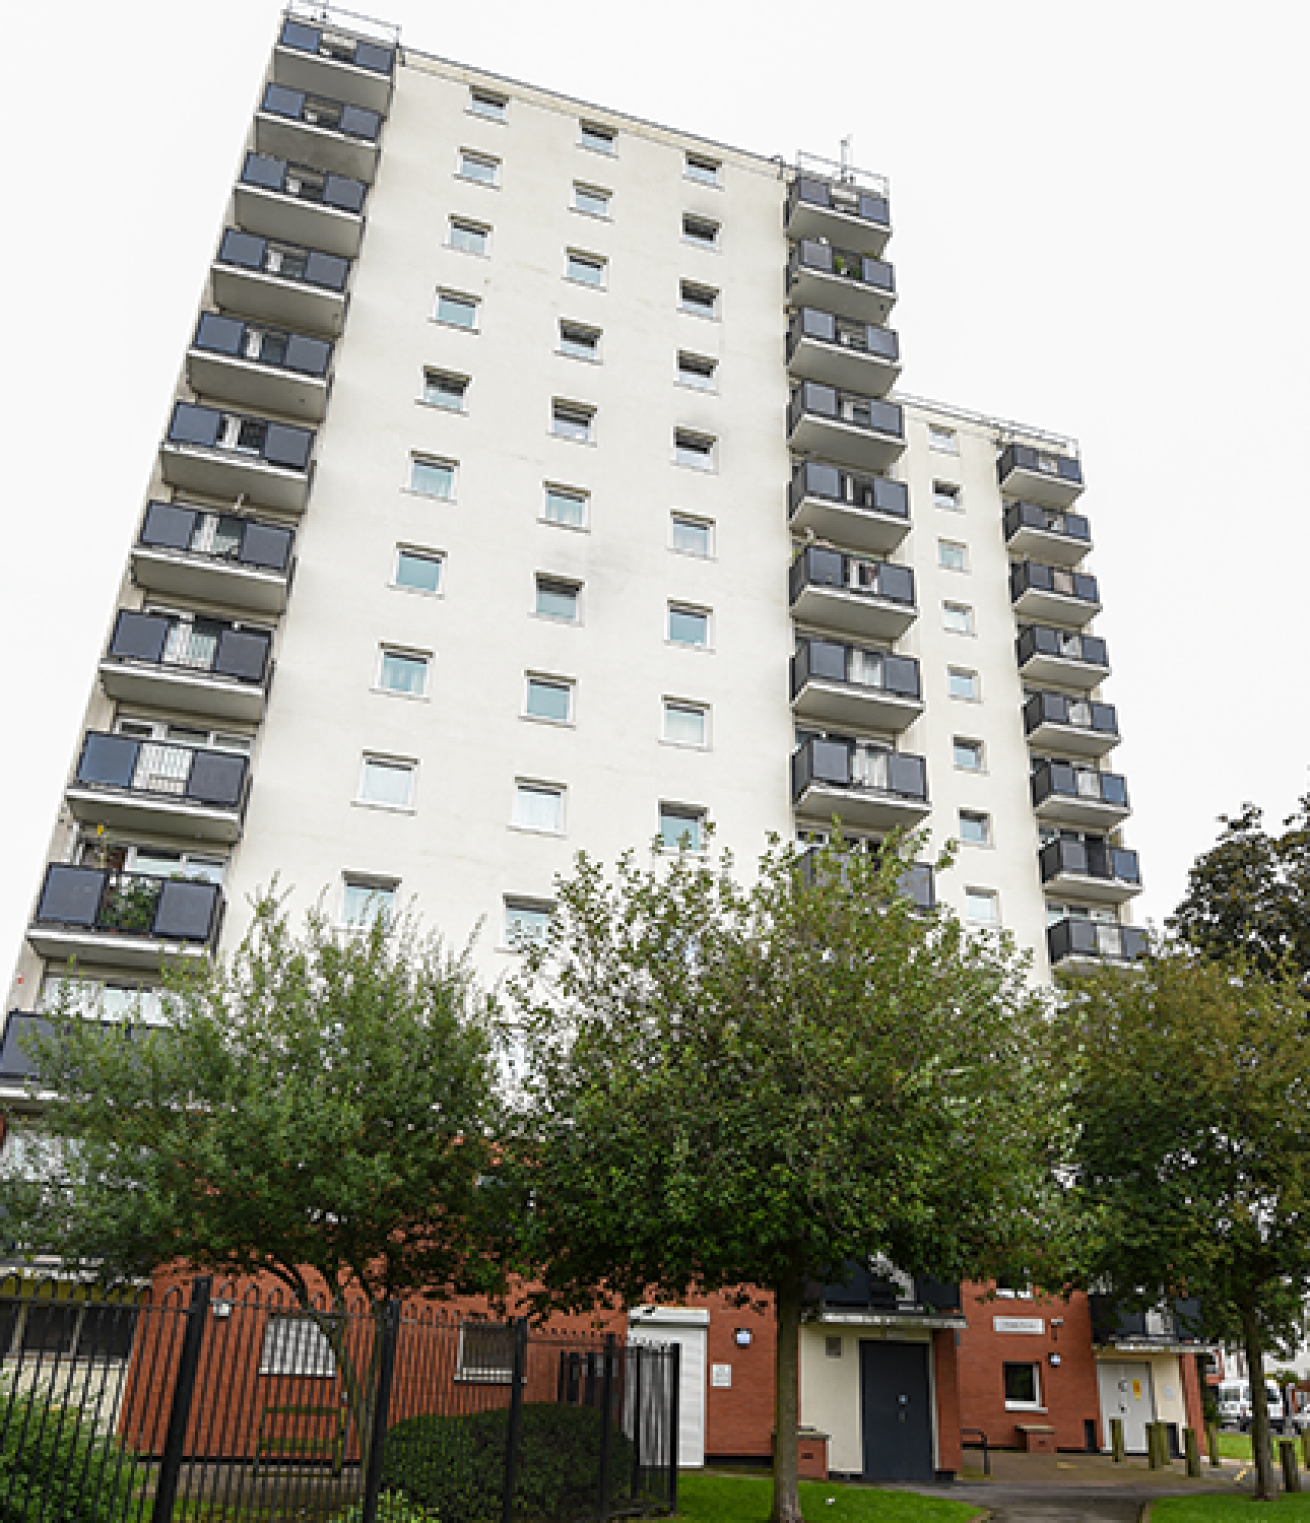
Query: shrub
55,1467
393,1507
456,1465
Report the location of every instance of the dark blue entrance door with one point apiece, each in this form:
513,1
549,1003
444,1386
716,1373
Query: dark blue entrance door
895,1417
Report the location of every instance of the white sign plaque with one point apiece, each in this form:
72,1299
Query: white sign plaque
1019,1324
721,1375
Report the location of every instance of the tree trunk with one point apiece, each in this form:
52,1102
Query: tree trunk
358,1386
786,1416
1265,1490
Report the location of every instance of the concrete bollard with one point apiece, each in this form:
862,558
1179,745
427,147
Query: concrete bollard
1191,1452
1212,1443
1117,1439
1291,1470
1153,1445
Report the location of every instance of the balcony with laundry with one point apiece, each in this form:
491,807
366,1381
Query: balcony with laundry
1057,593
834,683
865,785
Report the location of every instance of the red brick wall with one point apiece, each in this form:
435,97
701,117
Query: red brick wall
946,1376
739,1419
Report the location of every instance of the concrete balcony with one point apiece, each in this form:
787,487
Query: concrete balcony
1070,795
284,283
310,128
846,685
859,511
866,788
328,61
158,788
227,455
839,352
1093,943
865,433
1047,534
208,557
189,666
1042,476
842,281
838,212
125,920
851,595
1089,870
1077,726
1053,592
298,204
251,365
1062,657
917,882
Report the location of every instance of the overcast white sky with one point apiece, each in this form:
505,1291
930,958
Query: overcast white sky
1101,224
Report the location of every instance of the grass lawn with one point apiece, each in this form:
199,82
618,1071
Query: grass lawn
1237,1446
747,1499
1230,1509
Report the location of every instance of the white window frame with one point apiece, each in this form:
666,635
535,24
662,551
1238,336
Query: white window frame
977,897
694,611
590,356
549,679
693,814
975,695
461,299
416,461
700,372
947,496
695,451
982,822
520,819
708,238
579,415
700,169
690,294
582,191
942,439
424,657
484,1374
685,706
488,105
1014,1405
690,520
545,581
456,404
961,742
478,232
597,137
487,161
581,259
417,553
952,555
557,490
957,618
384,891
519,904
391,764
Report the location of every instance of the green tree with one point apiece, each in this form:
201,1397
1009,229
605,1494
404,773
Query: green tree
320,1108
1189,1168
728,1086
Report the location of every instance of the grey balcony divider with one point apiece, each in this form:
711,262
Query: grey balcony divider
359,122
168,527
280,101
71,895
288,446
266,546
327,270
218,334
242,654
245,250
900,674
264,171
15,1059
195,425
217,778
108,760
343,193
907,775
308,356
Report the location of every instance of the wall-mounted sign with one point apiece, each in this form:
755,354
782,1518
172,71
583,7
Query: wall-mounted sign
721,1375
1019,1324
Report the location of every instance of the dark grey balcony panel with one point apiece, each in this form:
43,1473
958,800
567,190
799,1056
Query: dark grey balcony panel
1095,939
108,761
263,171
823,567
825,659
1062,780
371,55
266,546
345,194
879,494
907,775
288,446
830,661
1088,859
359,122
71,895
186,911
1124,865
217,778
280,101
245,250
168,527
1033,576
219,335
327,270
1056,708
243,654
918,883
900,674
214,778
1043,640
828,328
15,1060
860,203
827,402
139,636
1024,457
937,1295
195,425
896,583
1030,515
811,254
1171,1322
295,34
308,356
817,566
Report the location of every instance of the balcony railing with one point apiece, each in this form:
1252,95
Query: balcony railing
1172,1322
863,511
230,454
834,762
337,47
875,1290
304,183
917,882
218,537
845,426
319,111
272,347
251,439
813,201
188,774
817,566
861,338
1035,526
879,671
1053,591
91,899
199,646
1062,780
286,283
840,351
1088,859
1076,713
860,269
1044,475
1094,939
288,261
1040,641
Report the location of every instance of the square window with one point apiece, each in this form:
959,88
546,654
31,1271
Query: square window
441,389
293,1345
431,478
591,199
700,301
601,139
539,806
557,599
946,495
363,902
968,754
692,536
689,626
686,724
704,171
493,107
698,371
943,439
391,783
700,231
570,420
980,907
694,450
587,269
480,167
1022,1387
682,828
976,829
525,920
417,571
952,556
957,618
549,698
962,684
579,343
469,237
401,672
486,1352
565,505
457,311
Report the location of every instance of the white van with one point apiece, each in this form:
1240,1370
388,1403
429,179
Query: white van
1235,1408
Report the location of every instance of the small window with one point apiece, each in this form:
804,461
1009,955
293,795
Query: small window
479,167
494,108
557,599
686,724
700,301
539,806
591,199
689,626
363,902
943,439
469,237
386,782
486,1352
832,1346
692,536
698,371
946,495
700,231
682,828
704,171
567,506
962,684
431,478
957,618
294,1345
525,920
571,420
968,754
1022,1386
587,269
457,311
601,139
694,450
401,672
952,556
579,343
417,571
441,389
976,829
980,907
549,698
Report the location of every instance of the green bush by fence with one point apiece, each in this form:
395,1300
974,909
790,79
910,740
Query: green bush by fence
56,1468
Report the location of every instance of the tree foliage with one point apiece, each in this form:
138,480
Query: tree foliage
728,1085
1190,1158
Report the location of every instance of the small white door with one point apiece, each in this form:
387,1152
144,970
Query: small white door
691,1338
1126,1393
